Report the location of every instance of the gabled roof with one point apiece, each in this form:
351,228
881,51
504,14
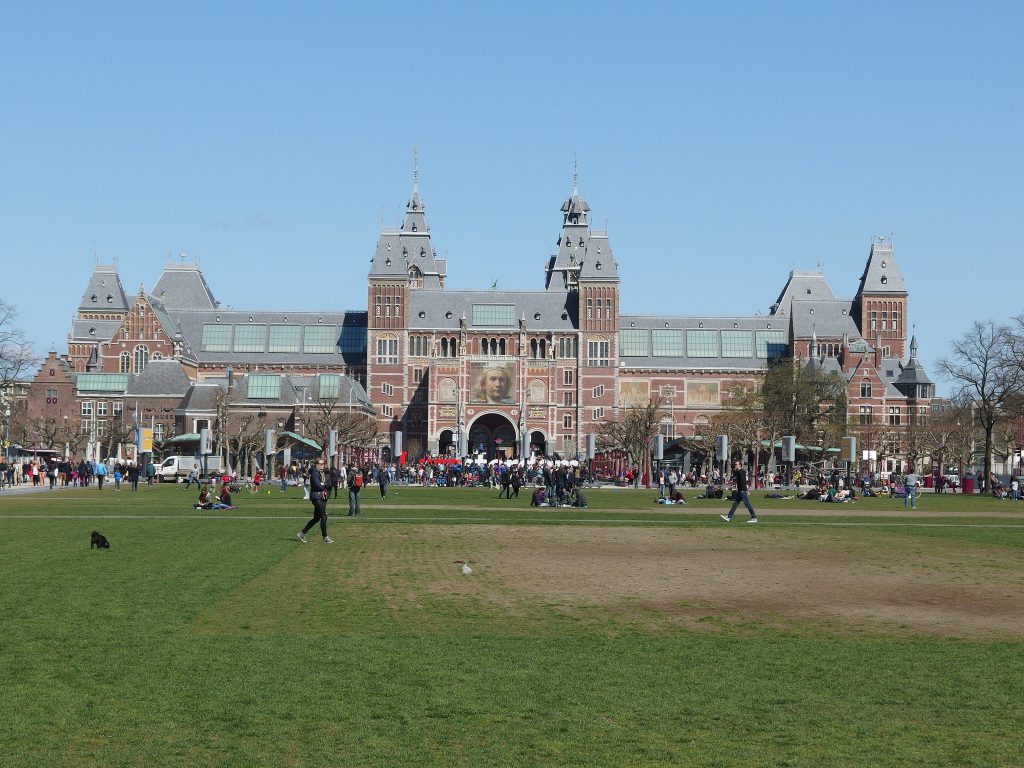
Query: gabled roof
104,292
830,319
400,250
182,286
598,262
882,274
160,378
806,285
93,331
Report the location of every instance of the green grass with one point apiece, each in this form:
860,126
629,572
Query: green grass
197,641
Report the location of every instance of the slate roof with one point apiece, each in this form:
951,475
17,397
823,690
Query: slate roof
829,319
104,292
436,307
686,362
93,331
182,286
882,274
190,324
159,378
802,284
398,250
200,397
598,261
913,372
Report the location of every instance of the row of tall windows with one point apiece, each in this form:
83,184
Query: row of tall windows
596,305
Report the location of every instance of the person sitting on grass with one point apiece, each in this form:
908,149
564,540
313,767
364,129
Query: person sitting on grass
537,500
224,501
204,499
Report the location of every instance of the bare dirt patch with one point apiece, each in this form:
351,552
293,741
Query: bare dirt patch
705,577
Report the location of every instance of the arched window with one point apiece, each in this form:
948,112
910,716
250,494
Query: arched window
444,347
543,348
501,346
141,358
453,347
533,348
126,362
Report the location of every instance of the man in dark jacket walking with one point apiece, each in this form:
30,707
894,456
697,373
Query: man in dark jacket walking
739,478
318,497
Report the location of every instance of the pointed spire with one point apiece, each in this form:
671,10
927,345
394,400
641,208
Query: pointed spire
415,169
913,347
575,174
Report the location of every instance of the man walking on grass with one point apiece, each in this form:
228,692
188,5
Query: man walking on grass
318,496
739,478
910,483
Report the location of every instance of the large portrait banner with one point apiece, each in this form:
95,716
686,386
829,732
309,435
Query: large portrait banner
492,383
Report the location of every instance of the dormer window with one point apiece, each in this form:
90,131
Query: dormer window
414,227
423,252
884,279
597,265
883,265
95,298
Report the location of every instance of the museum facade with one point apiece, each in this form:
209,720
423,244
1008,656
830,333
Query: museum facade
494,371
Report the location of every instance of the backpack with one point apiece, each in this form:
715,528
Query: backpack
358,482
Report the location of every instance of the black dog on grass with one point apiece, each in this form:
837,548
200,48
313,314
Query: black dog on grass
99,541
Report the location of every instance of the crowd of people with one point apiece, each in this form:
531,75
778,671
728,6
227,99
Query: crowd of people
61,473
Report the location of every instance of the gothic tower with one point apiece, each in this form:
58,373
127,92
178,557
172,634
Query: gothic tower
403,261
880,306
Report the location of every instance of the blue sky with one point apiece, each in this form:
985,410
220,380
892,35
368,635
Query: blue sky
725,143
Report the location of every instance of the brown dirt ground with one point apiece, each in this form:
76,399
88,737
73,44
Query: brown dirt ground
715,578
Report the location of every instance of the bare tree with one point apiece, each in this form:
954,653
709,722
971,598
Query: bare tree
356,426
955,432
632,431
119,431
16,355
985,368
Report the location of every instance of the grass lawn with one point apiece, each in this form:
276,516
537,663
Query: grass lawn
627,633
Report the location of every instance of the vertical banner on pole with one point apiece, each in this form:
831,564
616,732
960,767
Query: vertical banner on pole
268,442
591,446
789,448
850,449
659,447
332,443
204,442
396,449
722,448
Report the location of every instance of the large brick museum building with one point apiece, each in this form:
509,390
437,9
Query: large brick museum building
460,371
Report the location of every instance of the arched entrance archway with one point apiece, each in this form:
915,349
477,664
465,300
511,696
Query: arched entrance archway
538,443
493,435
446,443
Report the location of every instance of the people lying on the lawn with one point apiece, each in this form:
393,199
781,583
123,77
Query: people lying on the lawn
204,499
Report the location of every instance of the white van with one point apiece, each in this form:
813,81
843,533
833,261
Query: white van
174,468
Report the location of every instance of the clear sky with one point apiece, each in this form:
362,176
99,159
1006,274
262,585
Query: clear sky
725,144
